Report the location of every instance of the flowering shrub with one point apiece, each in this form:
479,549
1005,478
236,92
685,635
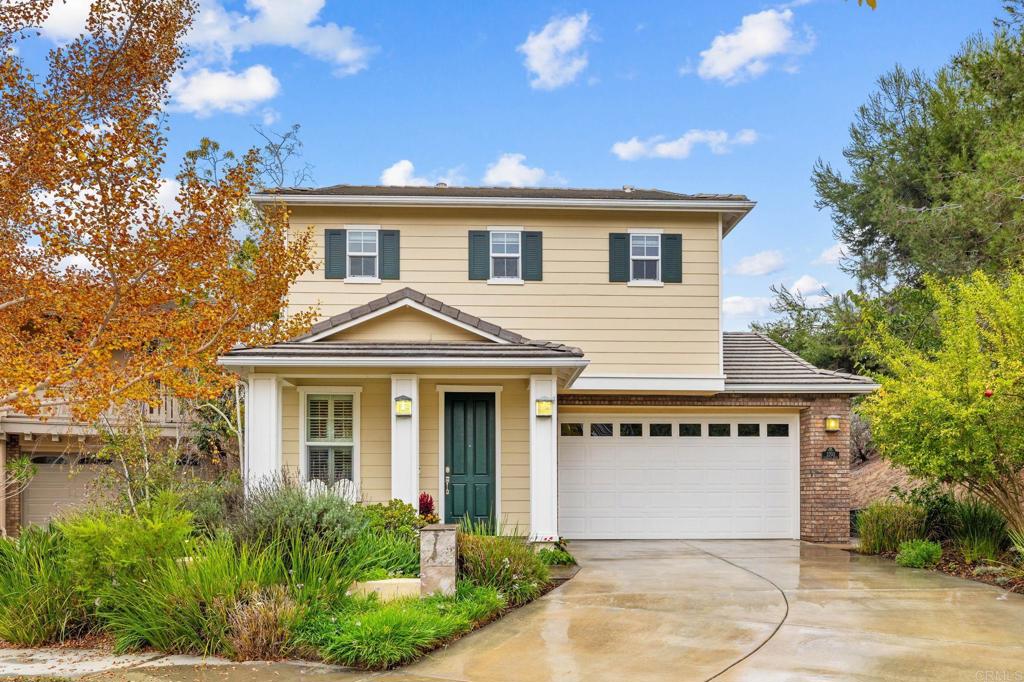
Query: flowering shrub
506,563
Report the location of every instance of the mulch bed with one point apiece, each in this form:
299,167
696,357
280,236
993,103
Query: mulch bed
953,563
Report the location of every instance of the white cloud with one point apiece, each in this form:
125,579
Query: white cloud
66,20
218,33
657,147
167,194
763,263
807,285
204,92
746,306
553,56
831,256
403,174
749,50
510,171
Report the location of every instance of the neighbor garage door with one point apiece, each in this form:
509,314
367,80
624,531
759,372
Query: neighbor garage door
678,476
57,487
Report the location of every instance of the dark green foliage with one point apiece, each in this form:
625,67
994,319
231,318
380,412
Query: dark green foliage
882,526
939,507
38,602
281,507
919,553
395,517
506,563
978,529
555,557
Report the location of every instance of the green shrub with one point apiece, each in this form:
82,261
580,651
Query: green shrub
106,547
979,530
38,602
378,636
505,563
212,503
919,553
882,526
556,556
394,517
281,507
938,504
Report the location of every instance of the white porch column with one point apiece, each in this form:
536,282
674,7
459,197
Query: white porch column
263,429
543,461
405,440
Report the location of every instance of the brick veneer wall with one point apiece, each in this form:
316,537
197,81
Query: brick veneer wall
824,484
13,510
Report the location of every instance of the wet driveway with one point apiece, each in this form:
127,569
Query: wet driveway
724,610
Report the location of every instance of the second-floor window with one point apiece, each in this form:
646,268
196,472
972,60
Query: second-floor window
645,257
362,253
505,255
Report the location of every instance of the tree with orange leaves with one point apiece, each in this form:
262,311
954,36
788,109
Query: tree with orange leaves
106,296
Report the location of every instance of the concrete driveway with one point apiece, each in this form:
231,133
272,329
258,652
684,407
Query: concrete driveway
723,610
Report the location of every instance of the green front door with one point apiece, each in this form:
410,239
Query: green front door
468,456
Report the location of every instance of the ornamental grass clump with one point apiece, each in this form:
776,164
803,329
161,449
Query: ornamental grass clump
979,530
38,600
883,525
506,563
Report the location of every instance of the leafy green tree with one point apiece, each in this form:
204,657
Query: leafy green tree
954,413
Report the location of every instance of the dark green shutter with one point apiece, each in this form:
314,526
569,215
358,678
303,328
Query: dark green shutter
334,254
389,254
479,254
533,256
672,258
618,257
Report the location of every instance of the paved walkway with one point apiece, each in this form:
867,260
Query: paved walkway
723,610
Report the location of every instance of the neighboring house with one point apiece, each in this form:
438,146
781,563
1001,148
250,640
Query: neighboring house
62,451
552,358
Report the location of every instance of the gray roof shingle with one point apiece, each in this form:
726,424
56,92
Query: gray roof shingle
753,361
502,192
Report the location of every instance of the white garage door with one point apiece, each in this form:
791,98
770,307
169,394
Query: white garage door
678,476
56,487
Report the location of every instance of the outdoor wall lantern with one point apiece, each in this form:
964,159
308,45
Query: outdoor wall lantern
545,407
832,423
403,406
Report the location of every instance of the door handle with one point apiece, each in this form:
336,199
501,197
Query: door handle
447,480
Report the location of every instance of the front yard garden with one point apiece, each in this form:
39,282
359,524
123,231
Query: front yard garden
193,571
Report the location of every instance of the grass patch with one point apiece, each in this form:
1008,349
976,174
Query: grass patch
368,634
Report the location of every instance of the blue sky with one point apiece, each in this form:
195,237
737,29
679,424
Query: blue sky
734,97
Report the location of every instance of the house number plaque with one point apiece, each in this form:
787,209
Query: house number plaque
830,453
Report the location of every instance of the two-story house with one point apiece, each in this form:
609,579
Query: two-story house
551,358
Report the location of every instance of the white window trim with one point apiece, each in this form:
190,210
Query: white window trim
354,391
494,229
472,388
361,279
645,282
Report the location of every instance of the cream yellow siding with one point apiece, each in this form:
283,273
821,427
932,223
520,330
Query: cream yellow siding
405,324
375,436
374,433
672,329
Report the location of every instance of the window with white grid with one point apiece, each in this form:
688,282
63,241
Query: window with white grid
330,440
362,253
505,255
645,257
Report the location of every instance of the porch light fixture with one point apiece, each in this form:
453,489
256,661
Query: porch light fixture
544,407
403,406
832,423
